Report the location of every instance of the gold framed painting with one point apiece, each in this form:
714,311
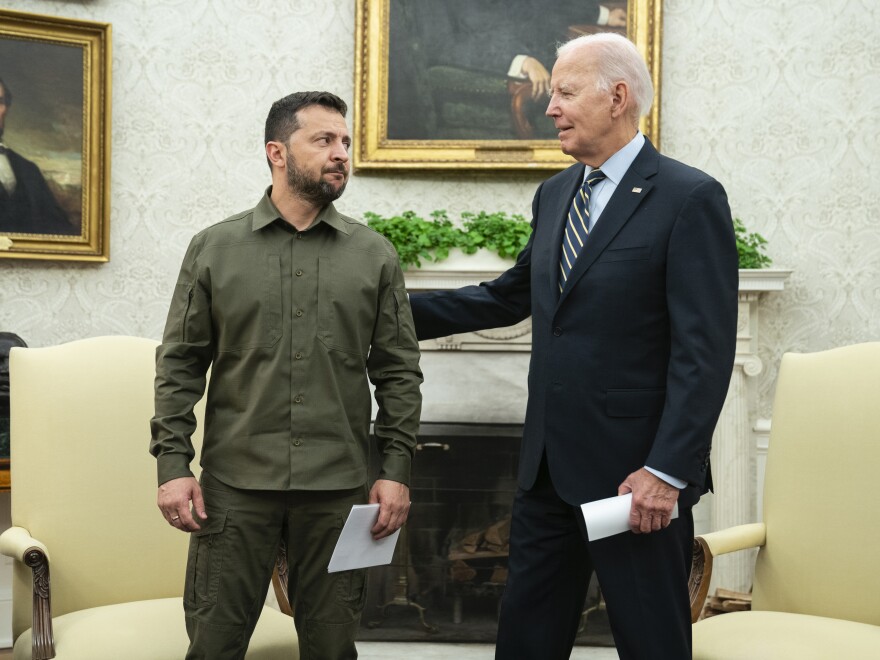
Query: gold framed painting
461,84
54,138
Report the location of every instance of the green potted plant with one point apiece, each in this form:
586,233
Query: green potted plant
417,239
438,239
750,246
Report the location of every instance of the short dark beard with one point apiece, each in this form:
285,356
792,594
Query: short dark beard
316,191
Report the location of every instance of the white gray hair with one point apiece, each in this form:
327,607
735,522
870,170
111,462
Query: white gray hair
619,60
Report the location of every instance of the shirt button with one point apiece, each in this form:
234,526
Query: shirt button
299,273
298,356
299,312
299,236
298,398
557,331
297,442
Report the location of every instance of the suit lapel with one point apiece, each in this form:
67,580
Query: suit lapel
633,188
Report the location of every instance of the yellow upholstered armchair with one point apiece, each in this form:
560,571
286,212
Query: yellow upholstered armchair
99,573
817,578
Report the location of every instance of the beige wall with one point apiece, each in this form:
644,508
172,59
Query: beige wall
781,102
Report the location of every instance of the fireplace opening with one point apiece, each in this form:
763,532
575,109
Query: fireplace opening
450,566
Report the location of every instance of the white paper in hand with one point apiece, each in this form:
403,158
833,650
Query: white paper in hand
356,547
610,516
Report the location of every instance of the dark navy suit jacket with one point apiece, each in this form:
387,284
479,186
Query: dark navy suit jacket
630,365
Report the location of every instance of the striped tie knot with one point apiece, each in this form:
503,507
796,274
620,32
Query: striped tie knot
593,176
577,229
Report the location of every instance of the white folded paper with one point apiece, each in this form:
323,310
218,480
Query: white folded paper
610,516
356,547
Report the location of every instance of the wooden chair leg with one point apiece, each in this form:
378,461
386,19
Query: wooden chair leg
701,574
280,580
42,637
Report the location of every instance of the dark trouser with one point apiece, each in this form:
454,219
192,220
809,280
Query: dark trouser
643,579
231,561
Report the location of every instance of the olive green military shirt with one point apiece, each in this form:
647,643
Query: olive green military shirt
291,324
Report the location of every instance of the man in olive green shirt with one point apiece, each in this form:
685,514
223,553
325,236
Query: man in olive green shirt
293,306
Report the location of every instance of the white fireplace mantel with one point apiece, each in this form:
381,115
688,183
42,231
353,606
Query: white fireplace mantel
448,392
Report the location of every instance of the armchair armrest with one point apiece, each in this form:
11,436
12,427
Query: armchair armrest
707,546
736,538
16,542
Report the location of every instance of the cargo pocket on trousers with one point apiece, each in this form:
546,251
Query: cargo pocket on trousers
205,561
351,588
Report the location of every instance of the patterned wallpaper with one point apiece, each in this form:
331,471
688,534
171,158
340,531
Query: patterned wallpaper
779,101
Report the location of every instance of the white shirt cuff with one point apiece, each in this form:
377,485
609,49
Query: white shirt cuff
672,481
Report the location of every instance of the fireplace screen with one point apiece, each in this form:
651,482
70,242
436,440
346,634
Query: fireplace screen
450,566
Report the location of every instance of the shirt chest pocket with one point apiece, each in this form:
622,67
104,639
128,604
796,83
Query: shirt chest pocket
246,302
347,305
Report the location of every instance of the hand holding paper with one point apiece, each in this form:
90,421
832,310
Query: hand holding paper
610,516
393,500
653,499
356,547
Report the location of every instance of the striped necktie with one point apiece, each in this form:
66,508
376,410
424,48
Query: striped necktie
578,226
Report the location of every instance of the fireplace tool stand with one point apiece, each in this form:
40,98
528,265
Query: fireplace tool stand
401,587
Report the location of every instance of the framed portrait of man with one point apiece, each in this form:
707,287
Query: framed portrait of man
464,85
54,138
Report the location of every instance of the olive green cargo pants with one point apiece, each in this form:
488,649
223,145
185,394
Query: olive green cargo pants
231,561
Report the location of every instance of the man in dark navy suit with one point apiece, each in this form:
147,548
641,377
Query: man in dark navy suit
630,277
27,205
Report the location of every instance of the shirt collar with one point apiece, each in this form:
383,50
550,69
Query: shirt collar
265,213
615,167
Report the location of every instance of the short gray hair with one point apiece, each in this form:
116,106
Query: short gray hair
619,60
